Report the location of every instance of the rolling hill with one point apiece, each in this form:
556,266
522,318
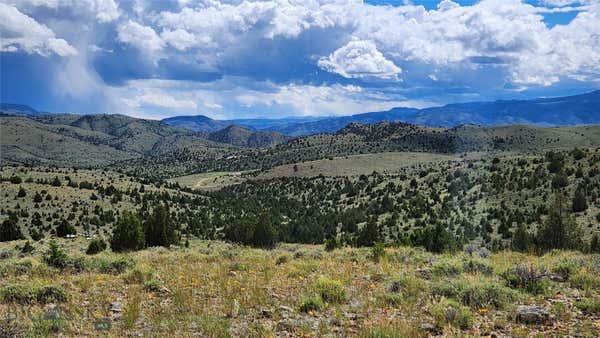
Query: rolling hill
244,137
561,111
92,140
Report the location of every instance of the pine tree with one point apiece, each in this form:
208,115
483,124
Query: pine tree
127,233
369,234
521,240
579,201
264,233
9,230
595,244
559,231
160,229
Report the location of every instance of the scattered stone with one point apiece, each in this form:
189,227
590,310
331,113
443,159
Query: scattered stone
116,307
427,327
532,314
266,313
283,308
232,273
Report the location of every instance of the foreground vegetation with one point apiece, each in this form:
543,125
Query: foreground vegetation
216,289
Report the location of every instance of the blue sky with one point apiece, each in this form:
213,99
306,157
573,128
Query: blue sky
276,58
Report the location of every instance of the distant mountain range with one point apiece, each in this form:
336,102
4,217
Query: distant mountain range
570,110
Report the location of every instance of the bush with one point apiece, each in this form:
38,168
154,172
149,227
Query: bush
127,233
476,266
27,248
585,280
10,231
55,256
450,312
377,252
96,246
590,306
28,294
65,228
566,268
445,268
282,259
311,304
526,278
114,266
332,243
331,291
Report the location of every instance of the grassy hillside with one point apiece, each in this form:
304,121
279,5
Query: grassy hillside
93,140
244,137
215,289
367,139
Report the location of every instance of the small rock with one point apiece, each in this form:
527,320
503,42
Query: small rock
266,313
116,307
283,308
532,314
429,328
232,273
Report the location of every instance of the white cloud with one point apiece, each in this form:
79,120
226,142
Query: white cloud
21,32
360,59
141,37
102,10
158,99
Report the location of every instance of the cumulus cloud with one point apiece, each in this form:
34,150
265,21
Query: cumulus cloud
139,36
308,56
360,59
102,10
23,33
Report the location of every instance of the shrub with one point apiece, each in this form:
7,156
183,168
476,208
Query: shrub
409,286
282,259
566,268
377,252
27,248
487,295
332,243
476,266
10,231
55,256
590,306
450,312
127,233
65,228
114,266
28,294
585,280
445,268
311,304
330,290
96,246
526,278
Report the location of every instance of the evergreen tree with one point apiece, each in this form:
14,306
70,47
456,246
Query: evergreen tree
595,244
65,228
22,192
127,233
559,231
264,233
9,230
521,240
579,201
160,229
369,235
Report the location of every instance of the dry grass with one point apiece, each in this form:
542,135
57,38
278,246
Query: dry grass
215,289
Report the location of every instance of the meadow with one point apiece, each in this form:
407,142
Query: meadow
218,289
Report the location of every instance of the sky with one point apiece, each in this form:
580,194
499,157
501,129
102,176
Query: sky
277,58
